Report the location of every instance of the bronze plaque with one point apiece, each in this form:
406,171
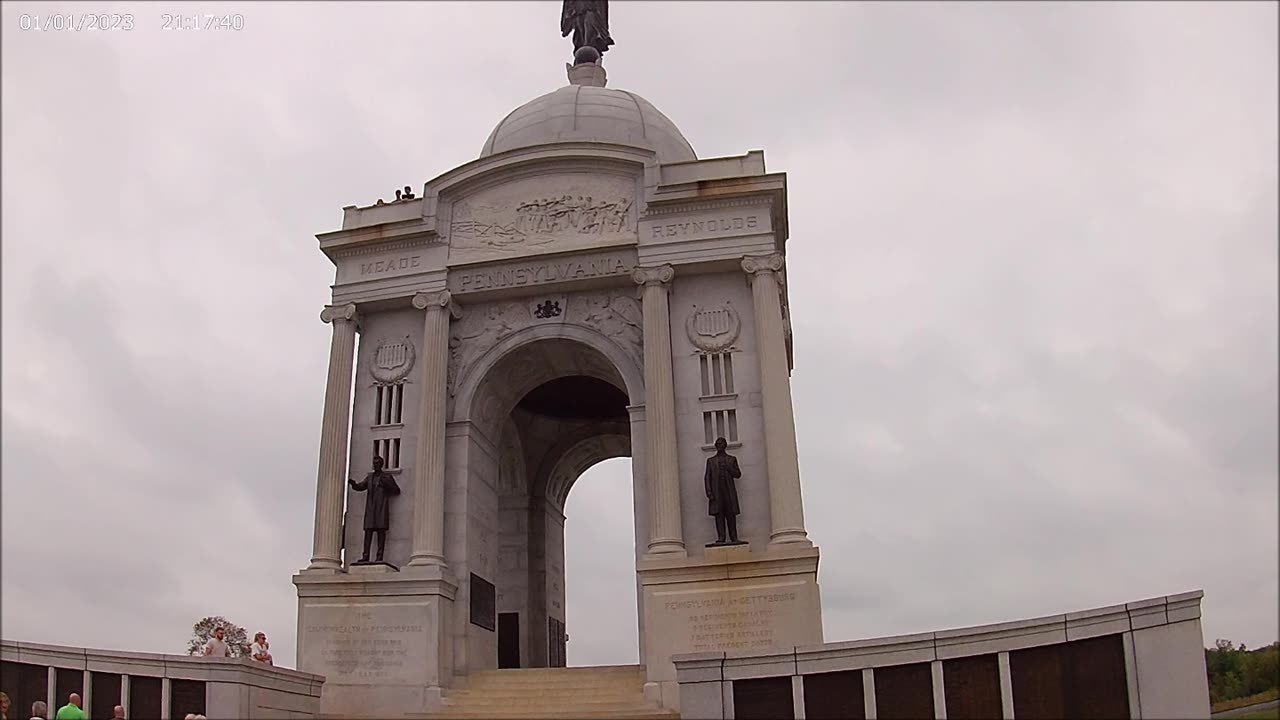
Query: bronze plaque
763,699
25,684
106,694
1079,679
972,687
1093,680
1037,682
186,697
834,696
904,691
484,605
144,697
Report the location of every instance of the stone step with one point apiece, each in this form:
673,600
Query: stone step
613,692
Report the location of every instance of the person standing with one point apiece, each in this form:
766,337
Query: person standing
39,710
217,645
117,712
260,650
71,711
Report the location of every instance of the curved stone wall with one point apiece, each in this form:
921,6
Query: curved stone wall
1142,659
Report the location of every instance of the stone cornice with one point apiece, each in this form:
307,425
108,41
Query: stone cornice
676,208
384,247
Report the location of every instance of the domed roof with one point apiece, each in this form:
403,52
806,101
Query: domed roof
581,112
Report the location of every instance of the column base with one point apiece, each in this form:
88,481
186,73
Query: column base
790,536
426,561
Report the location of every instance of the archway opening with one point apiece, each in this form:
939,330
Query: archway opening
552,409
600,567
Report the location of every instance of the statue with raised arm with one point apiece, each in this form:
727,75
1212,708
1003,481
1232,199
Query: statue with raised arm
722,493
381,486
588,20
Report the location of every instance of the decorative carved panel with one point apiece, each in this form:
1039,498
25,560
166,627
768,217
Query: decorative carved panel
392,360
713,328
541,214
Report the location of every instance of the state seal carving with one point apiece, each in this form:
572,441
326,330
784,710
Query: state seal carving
713,329
392,360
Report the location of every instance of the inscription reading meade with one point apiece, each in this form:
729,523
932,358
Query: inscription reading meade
383,266
538,273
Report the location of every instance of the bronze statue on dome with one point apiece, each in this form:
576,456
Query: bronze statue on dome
588,20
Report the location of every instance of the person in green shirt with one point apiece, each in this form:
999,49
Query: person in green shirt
71,711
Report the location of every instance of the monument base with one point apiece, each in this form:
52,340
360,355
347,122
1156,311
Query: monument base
732,598
379,636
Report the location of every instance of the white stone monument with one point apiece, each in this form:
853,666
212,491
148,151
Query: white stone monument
587,288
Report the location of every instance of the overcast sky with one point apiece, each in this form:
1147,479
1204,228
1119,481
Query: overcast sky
1033,265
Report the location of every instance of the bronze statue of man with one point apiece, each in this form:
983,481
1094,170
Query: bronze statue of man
588,20
722,493
377,508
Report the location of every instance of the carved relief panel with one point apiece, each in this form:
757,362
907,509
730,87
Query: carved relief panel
616,314
547,213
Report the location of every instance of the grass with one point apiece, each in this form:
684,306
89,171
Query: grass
1272,714
1264,696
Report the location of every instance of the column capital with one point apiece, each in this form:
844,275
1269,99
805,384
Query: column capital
332,313
659,275
440,299
753,264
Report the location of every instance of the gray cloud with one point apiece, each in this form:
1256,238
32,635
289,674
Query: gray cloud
1032,271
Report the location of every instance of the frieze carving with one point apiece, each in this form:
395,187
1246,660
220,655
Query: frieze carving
614,314
541,215
393,359
713,329
481,329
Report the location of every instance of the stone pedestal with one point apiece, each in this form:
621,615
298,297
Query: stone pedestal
380,637
731,598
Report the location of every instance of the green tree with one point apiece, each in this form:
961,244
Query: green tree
235,636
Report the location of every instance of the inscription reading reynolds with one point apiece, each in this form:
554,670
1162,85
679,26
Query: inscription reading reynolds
539,273
713,226
737,623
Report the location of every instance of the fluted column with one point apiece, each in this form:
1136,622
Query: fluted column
428,470
335,426
665,532
786,509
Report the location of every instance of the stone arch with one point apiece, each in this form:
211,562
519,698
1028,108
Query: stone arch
571,457
529,356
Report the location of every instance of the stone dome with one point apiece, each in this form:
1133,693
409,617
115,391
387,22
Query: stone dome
582,112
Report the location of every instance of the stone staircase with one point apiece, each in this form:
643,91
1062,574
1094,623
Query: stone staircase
614,692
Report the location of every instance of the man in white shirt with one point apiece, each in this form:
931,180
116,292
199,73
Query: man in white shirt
217,647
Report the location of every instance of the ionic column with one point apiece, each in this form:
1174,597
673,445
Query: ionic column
428,471
785,508
334,428
665,533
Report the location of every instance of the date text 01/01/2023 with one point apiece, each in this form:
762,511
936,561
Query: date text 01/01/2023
197,21
75,22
